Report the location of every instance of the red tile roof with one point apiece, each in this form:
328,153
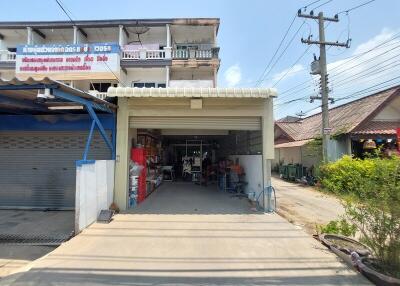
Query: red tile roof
342,119
378,128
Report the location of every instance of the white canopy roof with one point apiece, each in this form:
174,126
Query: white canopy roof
192,92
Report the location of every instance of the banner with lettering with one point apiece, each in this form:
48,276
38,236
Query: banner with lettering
68,62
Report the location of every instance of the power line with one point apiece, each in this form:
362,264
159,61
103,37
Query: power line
309,4
72,21
295,63
322,4
340,72
65,12
356,7
283,52
277,49
293,90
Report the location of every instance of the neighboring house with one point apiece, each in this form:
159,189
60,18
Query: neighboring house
374,117
127,52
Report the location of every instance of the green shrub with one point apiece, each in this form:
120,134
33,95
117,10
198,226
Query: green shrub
342,227
370,189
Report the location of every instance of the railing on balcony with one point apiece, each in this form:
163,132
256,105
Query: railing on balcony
7,56
195,54
98,94
143,55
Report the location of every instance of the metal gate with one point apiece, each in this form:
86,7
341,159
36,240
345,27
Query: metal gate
37,169
205,122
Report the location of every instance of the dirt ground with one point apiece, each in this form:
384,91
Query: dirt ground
304,205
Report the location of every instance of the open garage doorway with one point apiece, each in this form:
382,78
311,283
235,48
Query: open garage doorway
195,170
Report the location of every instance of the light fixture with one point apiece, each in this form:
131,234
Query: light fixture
66,107
42,97
389,140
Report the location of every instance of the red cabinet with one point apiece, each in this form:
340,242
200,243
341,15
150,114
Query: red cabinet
138,155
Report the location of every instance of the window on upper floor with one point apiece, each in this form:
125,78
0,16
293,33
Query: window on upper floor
148,84
101,86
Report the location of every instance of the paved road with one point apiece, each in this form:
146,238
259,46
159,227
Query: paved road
304,205
153,247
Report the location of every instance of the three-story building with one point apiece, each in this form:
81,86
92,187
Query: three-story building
94,55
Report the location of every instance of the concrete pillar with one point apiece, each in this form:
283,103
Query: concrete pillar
122,39
167,71
268,140
122,155
168,36
215,76
215,44
76,35
29,39
168,48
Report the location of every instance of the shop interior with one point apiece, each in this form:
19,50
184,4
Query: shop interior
226,161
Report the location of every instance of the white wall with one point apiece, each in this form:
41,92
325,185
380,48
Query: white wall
157,75
94,191
252,165
390,113
192,74
191,83
192,34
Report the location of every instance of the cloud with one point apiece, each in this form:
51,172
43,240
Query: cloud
374,67
287,73
357,72
233,75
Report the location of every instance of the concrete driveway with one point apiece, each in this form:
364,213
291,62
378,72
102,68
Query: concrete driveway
223,248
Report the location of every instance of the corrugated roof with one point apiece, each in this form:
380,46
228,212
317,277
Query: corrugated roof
342,119
32,93
378,128
293,144
192,92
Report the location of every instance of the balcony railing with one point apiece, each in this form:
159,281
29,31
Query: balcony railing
143,55
7,56
195,54
98,94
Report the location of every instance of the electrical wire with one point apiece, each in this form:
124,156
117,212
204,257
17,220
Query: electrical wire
277,49
295,63
294,89
356,7
72,21
322,4
283,52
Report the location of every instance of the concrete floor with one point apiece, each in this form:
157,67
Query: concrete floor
179,244
304,205
22,222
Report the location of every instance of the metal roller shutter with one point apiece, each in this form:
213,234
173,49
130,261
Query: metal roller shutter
214,123
37,169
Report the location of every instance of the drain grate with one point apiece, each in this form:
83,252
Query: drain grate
35,239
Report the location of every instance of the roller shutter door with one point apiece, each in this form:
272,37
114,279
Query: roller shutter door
37,169
214,123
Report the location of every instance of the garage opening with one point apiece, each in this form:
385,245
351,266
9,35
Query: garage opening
203,168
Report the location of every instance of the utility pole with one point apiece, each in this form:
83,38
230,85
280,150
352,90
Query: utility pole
324,74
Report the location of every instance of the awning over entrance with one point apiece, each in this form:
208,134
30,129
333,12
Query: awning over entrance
48,97
192,92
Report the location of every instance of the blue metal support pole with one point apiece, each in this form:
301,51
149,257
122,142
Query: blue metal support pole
90,106
83,101
89,140
100,126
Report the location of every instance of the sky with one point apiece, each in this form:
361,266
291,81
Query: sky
250,33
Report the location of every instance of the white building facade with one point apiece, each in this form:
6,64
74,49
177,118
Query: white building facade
94,55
